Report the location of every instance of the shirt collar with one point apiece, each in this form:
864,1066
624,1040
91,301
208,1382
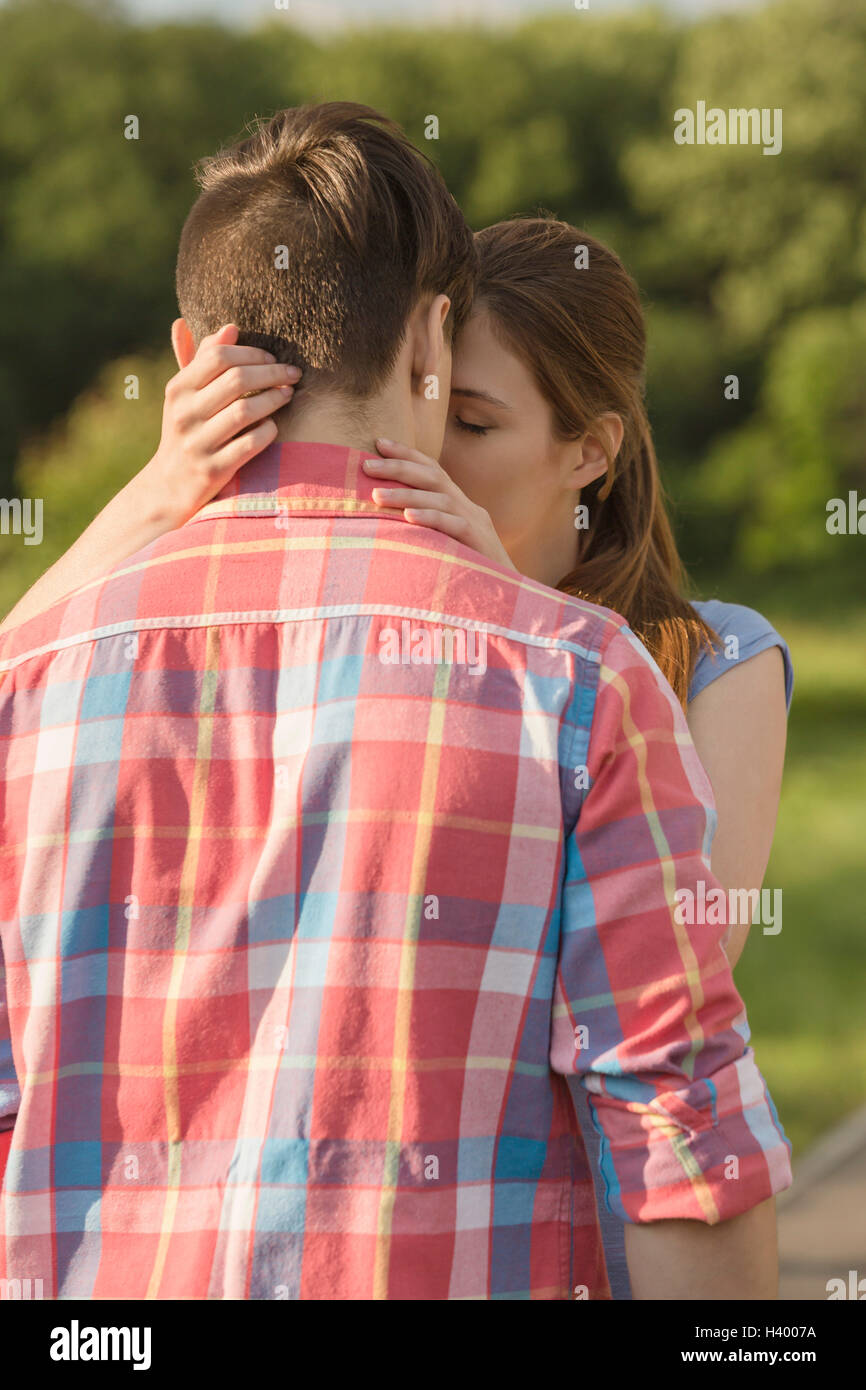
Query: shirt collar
301,479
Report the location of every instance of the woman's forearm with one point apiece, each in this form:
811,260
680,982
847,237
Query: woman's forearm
218,415
134,517
738,724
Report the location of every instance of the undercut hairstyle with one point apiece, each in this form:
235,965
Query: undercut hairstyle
318,235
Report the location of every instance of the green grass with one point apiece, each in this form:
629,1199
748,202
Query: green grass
804,989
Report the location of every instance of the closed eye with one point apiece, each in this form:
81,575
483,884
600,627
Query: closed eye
472,429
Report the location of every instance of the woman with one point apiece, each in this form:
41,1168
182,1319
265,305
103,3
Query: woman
548,466
547,419
549,438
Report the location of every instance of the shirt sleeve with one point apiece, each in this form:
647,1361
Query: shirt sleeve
745,633
646,1015
10,1095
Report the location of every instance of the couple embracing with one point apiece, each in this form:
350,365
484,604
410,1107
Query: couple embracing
335,977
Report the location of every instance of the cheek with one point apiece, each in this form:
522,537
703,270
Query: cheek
492,472
462,460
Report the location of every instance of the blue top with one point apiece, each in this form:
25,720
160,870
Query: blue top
744,633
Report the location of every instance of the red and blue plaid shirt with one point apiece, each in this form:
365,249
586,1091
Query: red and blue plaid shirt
335,857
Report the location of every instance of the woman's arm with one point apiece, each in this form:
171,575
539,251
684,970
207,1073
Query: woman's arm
132,519
199,451
739,725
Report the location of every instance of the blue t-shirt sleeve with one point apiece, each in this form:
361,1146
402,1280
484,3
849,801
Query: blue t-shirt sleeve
753,634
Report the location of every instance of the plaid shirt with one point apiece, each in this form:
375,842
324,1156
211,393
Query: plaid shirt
312,922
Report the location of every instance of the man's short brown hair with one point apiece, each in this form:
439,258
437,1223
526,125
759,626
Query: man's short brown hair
367,229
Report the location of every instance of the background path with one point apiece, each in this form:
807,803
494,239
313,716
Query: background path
822,1216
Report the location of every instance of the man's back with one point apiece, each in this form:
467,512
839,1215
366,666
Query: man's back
317,876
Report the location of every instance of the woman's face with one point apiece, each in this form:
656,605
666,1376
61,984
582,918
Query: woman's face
500,450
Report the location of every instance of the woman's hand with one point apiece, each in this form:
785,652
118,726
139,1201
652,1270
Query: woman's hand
216,418
430,498
218,415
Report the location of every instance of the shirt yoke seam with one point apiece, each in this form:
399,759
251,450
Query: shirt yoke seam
285,616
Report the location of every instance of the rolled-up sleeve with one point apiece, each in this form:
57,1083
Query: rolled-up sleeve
646,1015
10,1094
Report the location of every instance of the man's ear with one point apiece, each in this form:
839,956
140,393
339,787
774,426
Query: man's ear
429,347
586,459
182,342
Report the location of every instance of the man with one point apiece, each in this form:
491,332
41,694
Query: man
313,919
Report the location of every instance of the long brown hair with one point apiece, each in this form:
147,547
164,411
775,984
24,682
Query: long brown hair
581,333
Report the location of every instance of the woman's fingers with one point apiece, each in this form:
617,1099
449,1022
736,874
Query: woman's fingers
411,497
395,452
240,415
242,381
418,472
215,355
389,448
238,451
458,527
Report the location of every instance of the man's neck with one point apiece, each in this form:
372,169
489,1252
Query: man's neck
328,422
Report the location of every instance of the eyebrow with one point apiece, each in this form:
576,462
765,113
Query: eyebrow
479,396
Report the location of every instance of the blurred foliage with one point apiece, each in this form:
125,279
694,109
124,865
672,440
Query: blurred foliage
84,458
750,265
